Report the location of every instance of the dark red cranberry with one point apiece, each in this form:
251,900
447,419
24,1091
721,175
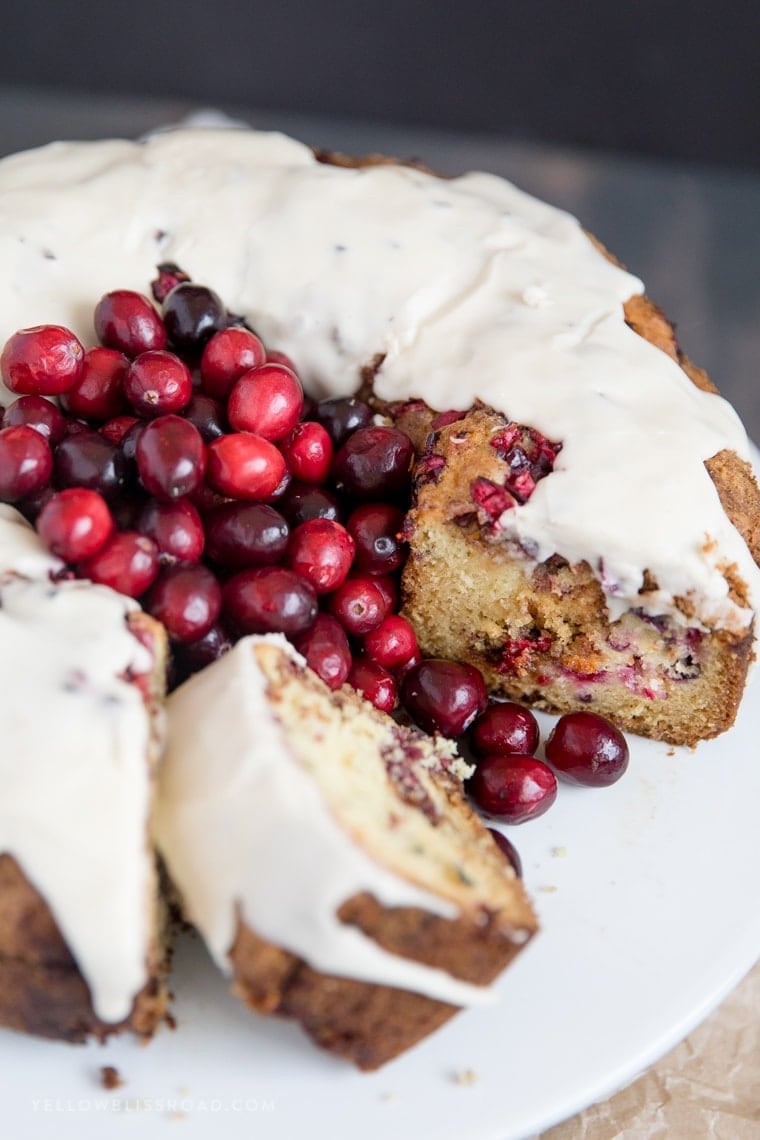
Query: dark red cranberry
302,502
42,361
266,400
175,527
341,416
245,534
375,528
129,438
229,354
374,463
38,413
206,499
171,457
208,415
359,605
128,563
390,591
192,314
245,466
158,384
270,600
169,275
508,850
127,321
392,644
321,551
99,392
308,452
89,460
26,463
326,650
505,729
587,749
513,788
374,683
190,657
187,599
443,696
75,524
115,430
31,505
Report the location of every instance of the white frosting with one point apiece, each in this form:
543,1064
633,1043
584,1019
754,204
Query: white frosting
246,834
469,287
21,551
73,772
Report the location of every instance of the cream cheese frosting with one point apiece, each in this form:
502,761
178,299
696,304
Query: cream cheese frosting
468,288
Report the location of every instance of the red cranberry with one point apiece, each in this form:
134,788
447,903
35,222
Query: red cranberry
38,413
302,502
189,657
326,650
229,354
374,463
245,534
375,528
513,788
187,599
171,457
245,466
169,275
175,527
127,321
359,605
390,591
158,384
443,696
508,850
270,600
505,729
42,361
26,463
99,392
88,460
374,683
281,489
275,357
587,749
392,644
341,416
75,524
321,551
115,430
128,563
192,314
266,400
208,415
308,452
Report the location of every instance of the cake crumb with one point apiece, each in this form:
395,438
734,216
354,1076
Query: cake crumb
464,1077
559,852
111,1078
548,890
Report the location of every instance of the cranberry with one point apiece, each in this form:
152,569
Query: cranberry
229,354
42,361
443,696
171,457
75,524
513,788
276,357
189,657
129,438
308,452
281,488
208,415
89,460
158,383
270,600
266,400
246,534
127,321
326,650
392,644
175,527
38,413
374,683
585,748
187,599
99,392
341,416
169,275
26,463
205,499
505,729
390,591
128,563
374,463
321,551
359,605
508,850
245,466
192,314
302,502
31,505
115,430
375,528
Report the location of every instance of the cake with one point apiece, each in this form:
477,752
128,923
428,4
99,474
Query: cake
328,857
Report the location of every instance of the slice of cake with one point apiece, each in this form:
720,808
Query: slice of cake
328,858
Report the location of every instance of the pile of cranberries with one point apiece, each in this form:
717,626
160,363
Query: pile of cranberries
183,465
